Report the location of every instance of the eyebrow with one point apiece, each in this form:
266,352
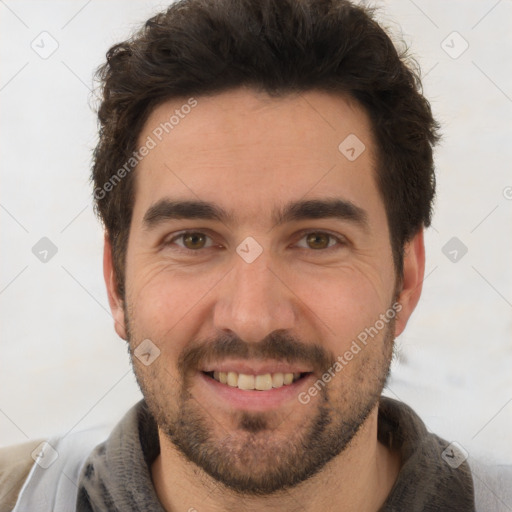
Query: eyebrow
168,209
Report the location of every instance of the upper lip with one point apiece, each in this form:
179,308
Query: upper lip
255,367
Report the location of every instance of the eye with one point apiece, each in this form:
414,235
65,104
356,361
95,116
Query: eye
191,240
319,240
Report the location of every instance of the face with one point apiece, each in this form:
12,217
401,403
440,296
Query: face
260,273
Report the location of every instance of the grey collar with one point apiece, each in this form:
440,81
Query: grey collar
117,476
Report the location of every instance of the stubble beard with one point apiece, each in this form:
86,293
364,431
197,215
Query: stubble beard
259,457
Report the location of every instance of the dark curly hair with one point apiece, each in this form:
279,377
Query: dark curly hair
277,46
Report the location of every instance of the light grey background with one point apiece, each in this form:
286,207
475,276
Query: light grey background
62,367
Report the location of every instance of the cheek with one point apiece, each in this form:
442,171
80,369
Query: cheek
344,303
163,300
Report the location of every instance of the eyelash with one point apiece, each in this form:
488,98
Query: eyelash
341,241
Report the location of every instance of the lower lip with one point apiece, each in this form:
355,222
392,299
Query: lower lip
253,400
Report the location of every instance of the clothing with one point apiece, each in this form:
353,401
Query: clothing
116,476
15,465
52,482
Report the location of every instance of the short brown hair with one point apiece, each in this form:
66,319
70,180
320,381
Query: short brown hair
278,46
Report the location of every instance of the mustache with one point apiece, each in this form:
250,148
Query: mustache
278,346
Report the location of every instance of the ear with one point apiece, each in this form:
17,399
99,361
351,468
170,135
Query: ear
115,302
412,282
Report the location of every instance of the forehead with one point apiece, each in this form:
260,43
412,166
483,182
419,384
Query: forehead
245,151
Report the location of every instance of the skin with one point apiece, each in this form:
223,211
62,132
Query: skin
250,153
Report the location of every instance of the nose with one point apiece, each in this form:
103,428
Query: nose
253,300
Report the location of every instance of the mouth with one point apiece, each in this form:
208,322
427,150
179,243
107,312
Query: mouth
259,382
252,385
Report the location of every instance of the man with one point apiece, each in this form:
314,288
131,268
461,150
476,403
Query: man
264,174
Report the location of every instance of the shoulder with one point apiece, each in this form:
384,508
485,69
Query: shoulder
16,461
43,475
493,486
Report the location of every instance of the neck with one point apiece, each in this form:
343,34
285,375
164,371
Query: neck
360,478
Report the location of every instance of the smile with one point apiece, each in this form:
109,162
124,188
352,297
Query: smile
261,382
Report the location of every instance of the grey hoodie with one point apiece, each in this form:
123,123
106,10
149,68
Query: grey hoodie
116,476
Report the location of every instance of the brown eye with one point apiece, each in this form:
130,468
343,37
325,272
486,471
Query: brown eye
194,240
188,242
321,241
318,240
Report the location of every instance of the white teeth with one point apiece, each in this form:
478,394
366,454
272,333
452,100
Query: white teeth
262,382
245,381
277,380
232,379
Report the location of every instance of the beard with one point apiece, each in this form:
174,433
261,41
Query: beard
262,456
